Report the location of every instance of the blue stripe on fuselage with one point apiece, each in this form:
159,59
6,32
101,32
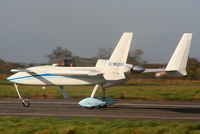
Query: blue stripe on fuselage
38,75
50,76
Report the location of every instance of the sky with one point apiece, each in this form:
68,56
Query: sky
31,29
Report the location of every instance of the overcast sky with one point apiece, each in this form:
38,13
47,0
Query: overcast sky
30,29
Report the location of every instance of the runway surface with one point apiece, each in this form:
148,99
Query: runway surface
125,110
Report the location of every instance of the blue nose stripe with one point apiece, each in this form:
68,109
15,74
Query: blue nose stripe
25,77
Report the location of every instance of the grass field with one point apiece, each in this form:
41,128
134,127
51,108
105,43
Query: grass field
134,89
13,125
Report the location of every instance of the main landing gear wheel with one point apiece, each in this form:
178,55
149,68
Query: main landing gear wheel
90,108
26,103
104,106
92,102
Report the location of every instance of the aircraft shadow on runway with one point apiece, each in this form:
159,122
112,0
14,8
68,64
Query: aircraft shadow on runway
179,110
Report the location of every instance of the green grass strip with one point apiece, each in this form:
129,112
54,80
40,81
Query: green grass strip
14,125
147,92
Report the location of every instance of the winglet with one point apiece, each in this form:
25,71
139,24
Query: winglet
114,69
178,61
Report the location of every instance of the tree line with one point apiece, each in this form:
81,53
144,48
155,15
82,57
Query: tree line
134,57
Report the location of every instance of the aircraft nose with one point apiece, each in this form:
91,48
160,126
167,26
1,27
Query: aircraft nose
10,78
13,77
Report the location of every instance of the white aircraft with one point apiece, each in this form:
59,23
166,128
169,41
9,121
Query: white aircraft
106,73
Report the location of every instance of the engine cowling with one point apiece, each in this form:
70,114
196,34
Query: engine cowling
137,69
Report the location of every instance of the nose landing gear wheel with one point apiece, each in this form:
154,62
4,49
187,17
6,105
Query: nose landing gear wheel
26,103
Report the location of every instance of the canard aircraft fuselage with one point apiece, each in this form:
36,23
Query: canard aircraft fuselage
106,73
53,75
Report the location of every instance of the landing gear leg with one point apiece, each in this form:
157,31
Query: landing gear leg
94,90
103,96
25,102
103,92
63,91
109,101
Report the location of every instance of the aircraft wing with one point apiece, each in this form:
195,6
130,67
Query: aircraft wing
152,70
70,72
20,70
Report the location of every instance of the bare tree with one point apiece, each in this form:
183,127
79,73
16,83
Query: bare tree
58,53
104,53
134,57
193,66
5,67
2,61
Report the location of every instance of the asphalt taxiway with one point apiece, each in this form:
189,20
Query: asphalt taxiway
125,110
